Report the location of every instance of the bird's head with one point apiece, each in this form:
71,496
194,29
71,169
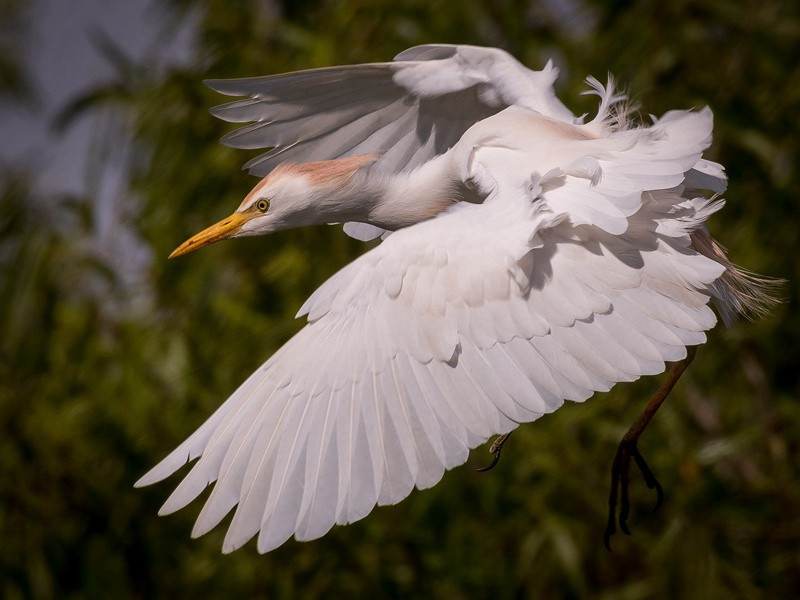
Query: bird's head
292,195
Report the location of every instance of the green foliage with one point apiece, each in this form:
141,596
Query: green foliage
101,375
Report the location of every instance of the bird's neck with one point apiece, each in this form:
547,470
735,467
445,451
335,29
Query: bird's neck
418,195
356,189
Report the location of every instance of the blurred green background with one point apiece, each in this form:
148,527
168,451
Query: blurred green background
107,361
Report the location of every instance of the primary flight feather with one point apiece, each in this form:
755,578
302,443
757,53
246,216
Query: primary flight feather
528,258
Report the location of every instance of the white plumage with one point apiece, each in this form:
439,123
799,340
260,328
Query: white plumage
536,259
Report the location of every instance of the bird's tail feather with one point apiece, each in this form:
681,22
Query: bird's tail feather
739,291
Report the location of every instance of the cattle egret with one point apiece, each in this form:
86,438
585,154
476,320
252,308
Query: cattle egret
528,258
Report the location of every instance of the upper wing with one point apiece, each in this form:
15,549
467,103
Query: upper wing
406,111
450,331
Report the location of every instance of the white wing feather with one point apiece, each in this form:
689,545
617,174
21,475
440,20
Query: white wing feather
462,327
408,110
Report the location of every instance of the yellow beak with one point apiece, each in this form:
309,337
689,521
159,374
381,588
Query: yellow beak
219,231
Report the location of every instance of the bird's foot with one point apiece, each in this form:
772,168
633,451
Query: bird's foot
620,477
495,448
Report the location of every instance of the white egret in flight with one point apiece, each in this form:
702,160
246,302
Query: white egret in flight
528,258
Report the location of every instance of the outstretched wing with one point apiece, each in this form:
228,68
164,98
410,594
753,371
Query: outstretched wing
448,332
406,111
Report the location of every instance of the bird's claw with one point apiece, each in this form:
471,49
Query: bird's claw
495,448
620,477
649,478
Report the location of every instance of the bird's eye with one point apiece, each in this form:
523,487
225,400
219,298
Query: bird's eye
262,205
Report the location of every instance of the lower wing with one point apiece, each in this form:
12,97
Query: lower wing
447,333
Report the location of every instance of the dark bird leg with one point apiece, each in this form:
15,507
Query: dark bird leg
628,450
496,448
